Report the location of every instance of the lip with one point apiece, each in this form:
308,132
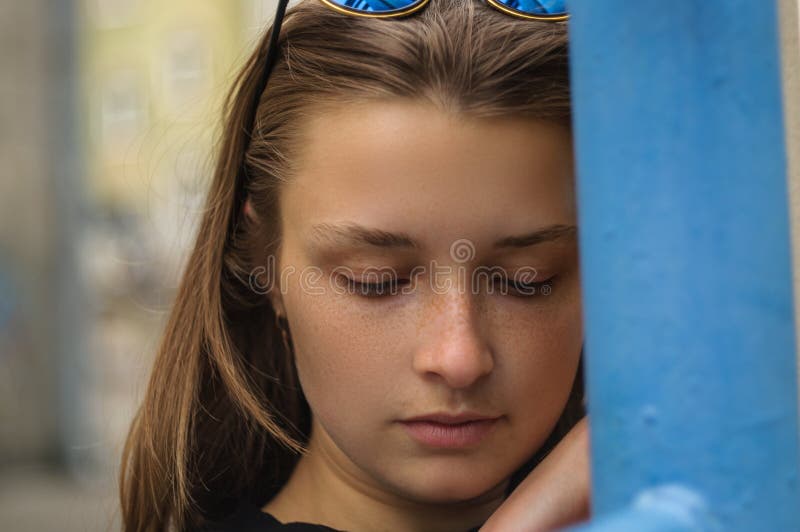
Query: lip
451,419
448,431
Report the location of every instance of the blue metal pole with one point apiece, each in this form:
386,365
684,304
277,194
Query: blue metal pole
682,194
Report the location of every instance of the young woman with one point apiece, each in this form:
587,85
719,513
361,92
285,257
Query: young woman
379,326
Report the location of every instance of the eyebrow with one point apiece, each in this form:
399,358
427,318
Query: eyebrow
545,234
353,234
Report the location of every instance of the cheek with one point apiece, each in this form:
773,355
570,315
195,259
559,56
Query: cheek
348,360
538,375
539,351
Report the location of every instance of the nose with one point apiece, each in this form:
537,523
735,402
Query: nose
453,348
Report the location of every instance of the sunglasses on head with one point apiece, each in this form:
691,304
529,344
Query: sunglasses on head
542,10
552,10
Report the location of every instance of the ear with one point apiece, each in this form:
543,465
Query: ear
248,210
277,303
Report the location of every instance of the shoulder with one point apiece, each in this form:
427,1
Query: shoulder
249,518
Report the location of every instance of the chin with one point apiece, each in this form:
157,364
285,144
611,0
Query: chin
447,488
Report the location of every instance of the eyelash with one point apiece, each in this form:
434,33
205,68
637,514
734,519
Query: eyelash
532,289
383,290
374,290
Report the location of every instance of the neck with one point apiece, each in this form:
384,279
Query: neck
325,488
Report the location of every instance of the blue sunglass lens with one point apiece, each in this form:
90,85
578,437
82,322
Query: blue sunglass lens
537,7
375,6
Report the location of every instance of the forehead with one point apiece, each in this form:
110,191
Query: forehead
408,166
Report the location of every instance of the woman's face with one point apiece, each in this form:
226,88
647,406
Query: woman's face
431,199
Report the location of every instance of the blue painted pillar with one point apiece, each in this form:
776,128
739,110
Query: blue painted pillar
682,193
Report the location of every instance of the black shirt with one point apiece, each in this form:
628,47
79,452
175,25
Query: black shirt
249,518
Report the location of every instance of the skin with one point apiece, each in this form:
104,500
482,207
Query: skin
366,363
555,494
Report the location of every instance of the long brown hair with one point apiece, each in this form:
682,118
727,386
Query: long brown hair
224,418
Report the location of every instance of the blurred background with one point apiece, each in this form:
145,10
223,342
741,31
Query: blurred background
108,116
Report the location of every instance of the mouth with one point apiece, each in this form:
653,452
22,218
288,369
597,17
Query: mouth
449,435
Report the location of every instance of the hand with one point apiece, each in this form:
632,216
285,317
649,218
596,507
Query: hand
555,494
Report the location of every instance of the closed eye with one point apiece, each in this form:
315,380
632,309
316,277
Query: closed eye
375,290
518,289
394,286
